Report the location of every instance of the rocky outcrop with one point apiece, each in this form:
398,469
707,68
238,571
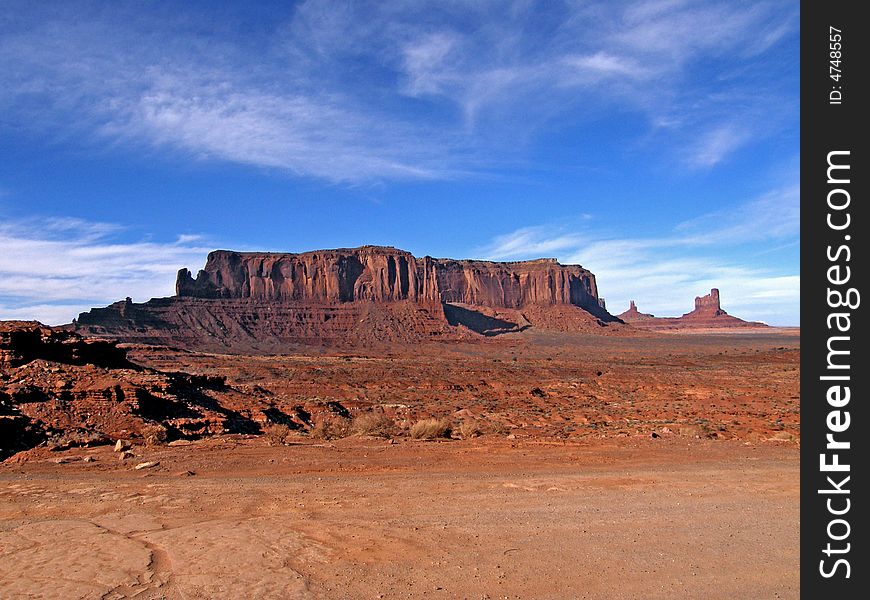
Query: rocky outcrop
61,388
265,302
632,315
24,341
707,306
708,314
56,399
384,274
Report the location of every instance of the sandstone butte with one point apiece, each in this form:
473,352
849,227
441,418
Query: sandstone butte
259,301
708,314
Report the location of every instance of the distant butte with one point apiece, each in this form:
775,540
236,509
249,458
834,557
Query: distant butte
708,314
632,315
263,301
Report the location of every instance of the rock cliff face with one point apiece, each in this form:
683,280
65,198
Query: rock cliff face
382,274
263,301
328,276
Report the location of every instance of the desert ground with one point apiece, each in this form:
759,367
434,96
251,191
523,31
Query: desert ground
631,466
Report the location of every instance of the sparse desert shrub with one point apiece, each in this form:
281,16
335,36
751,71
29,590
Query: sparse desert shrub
154,434
332,429
276,434
499,428
702,431
374,424
430,429
468,429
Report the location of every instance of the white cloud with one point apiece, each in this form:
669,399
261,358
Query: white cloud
53,269
48,314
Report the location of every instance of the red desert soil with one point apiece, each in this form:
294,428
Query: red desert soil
719,385
232,518
648,466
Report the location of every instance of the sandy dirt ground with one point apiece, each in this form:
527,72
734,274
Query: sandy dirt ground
364,518
660,466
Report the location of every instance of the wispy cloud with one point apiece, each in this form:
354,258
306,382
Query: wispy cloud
302,134
138,83
644,56
426,64
605,64
664,273
52,269
772,216
715,145
371,91
528,241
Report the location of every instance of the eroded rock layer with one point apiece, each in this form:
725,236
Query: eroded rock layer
57,385
61,389
245,325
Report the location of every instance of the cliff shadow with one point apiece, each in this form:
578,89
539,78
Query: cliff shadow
275,415
184,387
479,322
156,408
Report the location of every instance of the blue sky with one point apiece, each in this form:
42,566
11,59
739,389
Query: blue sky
654,142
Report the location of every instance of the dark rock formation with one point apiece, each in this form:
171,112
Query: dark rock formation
24,341
59,387
257,301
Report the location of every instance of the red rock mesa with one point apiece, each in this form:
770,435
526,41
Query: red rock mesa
262,301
